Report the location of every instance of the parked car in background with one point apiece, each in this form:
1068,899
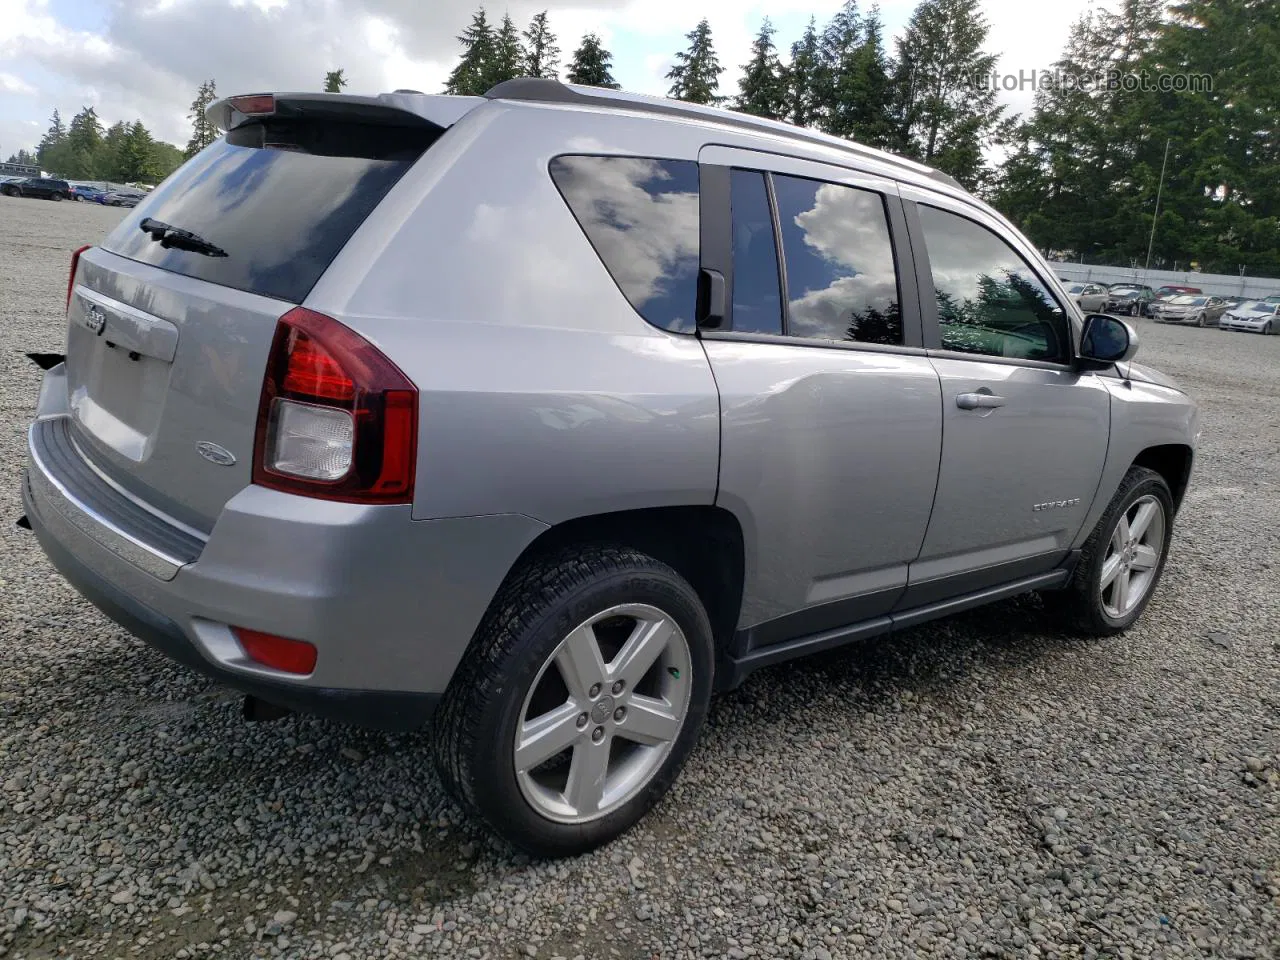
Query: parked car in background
1275,299
1129,298
1170,291
1255,316
1090,297
1202,311
564,528
122,198
85,192
45,188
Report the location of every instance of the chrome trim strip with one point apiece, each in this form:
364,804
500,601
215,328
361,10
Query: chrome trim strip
51,492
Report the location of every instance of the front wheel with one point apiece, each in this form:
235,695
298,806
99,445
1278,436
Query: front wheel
1123,559
1135,310
1266,329
1202,320
579,700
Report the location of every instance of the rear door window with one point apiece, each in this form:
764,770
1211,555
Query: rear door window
842,283
641,216
757,291
280,198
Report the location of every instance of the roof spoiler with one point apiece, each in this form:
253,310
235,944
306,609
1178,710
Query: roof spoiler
404,108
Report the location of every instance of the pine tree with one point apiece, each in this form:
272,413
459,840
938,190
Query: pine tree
802,78
762,90
203,132
947,117
470,76
53,138
78,157
509,59
334,81
592,65
867,86
695,77
540,44
840,40
137,160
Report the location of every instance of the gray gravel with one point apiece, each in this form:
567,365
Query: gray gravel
981,787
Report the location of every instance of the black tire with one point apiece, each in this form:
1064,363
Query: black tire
1202,320
535,609
1135,310
1079,605
55,196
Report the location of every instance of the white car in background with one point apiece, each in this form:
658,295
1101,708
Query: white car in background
1256,316
1091,297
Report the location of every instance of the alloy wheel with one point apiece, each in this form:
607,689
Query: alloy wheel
602,713
1133,557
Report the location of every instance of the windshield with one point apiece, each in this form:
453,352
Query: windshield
1076,288
281,199
1125,291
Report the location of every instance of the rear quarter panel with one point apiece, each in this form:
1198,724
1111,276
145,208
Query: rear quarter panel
542,391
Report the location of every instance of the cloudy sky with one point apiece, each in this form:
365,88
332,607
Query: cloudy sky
144,58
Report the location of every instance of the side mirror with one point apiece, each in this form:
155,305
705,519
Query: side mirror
1107,340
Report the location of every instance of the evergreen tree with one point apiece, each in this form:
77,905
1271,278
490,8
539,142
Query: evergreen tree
334,81
137,155
470,76
203,132
540,44
53,138
509,59
23,156
840,41
695,77
801,78
592,65
947,114
77,157
762,90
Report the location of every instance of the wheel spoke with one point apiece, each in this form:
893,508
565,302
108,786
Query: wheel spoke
588,771
649,721
543,737
1145,558
1121,593
1121,536
580,663
1142,520
643,647
1110,568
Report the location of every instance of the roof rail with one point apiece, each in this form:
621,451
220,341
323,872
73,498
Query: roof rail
542,90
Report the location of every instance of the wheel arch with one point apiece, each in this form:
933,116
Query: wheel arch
1173,462
704,544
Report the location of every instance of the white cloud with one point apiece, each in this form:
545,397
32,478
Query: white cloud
11,84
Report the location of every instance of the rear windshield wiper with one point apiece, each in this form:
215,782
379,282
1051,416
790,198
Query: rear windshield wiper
181,239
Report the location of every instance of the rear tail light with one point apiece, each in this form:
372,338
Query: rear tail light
337,419
279,653
71,277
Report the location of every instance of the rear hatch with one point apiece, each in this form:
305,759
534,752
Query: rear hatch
168,336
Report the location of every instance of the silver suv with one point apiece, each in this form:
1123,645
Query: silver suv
556,411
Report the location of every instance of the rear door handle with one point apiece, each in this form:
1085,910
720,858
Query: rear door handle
978,401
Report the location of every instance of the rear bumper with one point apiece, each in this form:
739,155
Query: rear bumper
389,602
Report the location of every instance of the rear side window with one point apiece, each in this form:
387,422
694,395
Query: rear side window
280,198
641,215
841,280
757,294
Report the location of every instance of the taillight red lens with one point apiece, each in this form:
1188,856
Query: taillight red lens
279,653
311,372
71,278
337,419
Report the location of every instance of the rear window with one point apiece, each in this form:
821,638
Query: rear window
281,198
641,215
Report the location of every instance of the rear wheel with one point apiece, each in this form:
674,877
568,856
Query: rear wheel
579,701
55,196
1123,559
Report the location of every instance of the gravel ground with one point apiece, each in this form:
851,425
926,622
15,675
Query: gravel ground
981,787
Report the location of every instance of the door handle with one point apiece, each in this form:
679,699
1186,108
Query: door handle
978,401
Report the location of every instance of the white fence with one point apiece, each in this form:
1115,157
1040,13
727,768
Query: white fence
1254,288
